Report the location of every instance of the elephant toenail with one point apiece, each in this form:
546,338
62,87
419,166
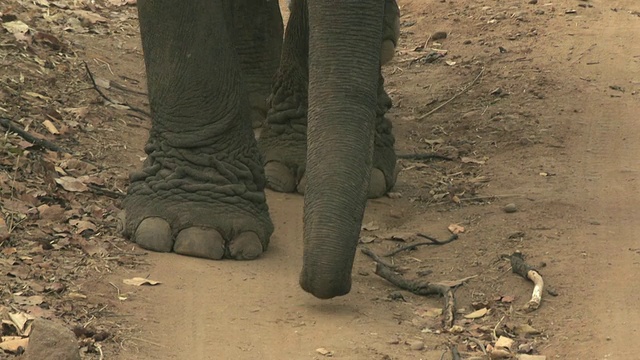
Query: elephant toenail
200,242
154,234
246,246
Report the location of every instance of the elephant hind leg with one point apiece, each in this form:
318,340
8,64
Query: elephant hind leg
284,139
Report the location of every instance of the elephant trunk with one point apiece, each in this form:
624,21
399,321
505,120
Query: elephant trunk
344,61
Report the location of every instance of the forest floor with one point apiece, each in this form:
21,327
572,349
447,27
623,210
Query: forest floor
536,103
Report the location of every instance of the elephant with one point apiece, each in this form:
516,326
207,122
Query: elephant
214,69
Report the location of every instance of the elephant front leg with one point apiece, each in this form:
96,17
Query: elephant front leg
284,137
200,192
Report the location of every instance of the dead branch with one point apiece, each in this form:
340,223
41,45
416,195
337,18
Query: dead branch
422,288
105,97
464,90
521,268
10,126
376,258
432,241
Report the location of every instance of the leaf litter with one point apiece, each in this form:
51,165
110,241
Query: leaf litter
59,232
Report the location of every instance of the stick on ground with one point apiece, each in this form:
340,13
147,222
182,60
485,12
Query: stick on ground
521,268
464,90
432,241
97,89
9,125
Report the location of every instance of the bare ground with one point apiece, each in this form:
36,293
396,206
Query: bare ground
551,124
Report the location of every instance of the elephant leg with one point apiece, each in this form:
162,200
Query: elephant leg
284,138
201,190
257,30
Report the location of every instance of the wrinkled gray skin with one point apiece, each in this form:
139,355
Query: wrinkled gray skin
210,69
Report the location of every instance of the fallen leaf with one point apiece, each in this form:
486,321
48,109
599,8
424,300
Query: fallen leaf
71,184
31,300
4,231
21,321
8,250
90,17
53,212
138,281
49,40
14,344
367,239
36,95
79,113
324,352
477,314
467,160
89,247
50,127
456,229
430,312
82,225
370,226
525,329
76,295
507,299
504,343
15,27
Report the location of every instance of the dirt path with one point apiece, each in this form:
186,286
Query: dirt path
552,125
240,310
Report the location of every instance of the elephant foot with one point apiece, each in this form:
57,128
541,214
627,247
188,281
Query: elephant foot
280,178
213,213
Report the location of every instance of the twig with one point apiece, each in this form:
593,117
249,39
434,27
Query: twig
376,258
465,89
422,288
490,197
495,336
521,268
416,287
425,156
149,342
479,343
432,241
97,89
116,85
99,351
117,288
9,125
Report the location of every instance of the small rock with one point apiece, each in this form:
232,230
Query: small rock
533,2
324,352
510,208
50,341
439,35
415,345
